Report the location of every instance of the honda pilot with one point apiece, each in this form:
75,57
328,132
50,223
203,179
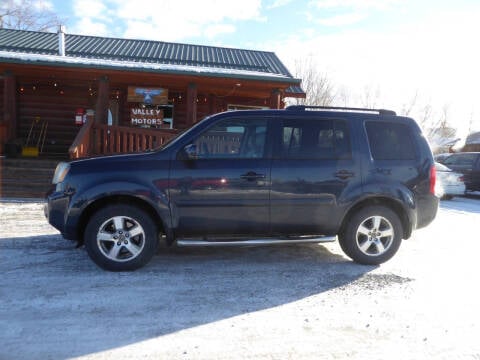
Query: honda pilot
302,174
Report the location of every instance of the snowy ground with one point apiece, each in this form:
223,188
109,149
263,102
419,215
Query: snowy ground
284,302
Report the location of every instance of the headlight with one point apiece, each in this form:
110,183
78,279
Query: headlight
60,172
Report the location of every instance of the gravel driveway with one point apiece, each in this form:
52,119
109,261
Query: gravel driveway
281,302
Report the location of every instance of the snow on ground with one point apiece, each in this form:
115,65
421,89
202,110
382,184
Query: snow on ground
282,302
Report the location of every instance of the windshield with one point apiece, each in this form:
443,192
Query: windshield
464,159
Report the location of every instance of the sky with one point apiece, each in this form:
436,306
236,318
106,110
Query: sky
394,52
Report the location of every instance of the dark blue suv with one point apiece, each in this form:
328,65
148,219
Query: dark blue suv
303,174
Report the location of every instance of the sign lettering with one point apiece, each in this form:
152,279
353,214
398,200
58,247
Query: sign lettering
141,116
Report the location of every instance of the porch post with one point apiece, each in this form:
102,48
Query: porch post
191,104
10,104
212,104
101,108
275,98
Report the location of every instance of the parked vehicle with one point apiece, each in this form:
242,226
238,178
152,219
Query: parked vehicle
467,163
441,157
449,182
303,174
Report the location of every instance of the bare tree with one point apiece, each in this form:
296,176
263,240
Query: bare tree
425,116
442,128
343,97
470,122
370,97
27,15
410,105
317,86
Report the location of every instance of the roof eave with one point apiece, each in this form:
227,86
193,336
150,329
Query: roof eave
299,95
100,64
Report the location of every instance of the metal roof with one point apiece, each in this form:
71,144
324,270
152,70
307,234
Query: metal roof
19,44
473,138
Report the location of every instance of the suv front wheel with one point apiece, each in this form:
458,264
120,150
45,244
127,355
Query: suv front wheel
120,238
372,236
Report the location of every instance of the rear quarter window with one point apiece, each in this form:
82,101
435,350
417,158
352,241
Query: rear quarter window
390,141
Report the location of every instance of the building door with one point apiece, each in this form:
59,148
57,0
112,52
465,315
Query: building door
113,112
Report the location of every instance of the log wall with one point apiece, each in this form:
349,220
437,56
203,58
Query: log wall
51,107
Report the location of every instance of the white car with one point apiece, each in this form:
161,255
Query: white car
449,183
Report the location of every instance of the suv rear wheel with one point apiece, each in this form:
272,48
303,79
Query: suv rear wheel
372,236
120,238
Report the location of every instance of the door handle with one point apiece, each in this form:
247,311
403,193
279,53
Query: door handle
251,176
344,174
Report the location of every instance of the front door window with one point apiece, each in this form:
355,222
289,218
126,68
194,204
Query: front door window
233,139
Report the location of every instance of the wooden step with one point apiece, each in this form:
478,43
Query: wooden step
25,177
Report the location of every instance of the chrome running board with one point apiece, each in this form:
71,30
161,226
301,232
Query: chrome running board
267,241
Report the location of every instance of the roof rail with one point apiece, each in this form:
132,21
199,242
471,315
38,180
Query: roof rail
305,107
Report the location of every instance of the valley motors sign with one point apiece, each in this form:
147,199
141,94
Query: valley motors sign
148,96
141,116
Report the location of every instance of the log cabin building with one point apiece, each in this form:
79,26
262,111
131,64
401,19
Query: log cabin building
65,95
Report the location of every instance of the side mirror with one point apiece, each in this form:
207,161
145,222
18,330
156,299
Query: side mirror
189,152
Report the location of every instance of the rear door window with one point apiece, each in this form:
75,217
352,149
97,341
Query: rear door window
390,141
315,139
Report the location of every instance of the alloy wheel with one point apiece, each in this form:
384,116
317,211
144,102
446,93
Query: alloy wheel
374,236
121,238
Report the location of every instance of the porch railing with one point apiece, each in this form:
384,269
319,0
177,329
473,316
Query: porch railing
94,139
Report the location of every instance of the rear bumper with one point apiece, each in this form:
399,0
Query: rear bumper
427,208
454,189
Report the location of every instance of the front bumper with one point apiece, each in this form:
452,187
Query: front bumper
56,211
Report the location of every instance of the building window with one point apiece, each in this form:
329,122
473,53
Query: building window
231,107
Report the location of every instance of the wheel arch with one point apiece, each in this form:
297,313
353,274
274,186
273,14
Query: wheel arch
390,203
118,199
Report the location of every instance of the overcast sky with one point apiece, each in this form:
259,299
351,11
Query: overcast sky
391,49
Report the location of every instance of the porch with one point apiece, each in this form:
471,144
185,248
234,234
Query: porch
98,139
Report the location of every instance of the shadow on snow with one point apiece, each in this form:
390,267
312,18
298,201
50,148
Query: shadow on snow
54,298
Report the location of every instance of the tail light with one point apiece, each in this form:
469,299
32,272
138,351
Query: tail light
433,179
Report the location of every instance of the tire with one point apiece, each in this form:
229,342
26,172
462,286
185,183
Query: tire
121,238
372,236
